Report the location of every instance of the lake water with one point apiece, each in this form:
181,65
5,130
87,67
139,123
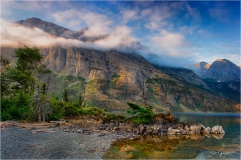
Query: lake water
187,146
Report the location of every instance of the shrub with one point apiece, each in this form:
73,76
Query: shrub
113,117
142,114
17,107
91,111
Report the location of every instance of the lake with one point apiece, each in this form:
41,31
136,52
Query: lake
186,146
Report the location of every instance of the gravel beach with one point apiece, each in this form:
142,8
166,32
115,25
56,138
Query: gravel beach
22,144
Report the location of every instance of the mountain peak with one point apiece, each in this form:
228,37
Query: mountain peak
222,60
48,27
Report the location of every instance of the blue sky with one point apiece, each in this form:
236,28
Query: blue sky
180,33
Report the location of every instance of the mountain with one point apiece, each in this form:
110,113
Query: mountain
202,65
200,68
223,70
108,79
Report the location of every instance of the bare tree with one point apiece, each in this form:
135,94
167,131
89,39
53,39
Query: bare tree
41,106
144,94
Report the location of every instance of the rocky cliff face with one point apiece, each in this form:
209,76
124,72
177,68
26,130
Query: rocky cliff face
223,70
110,79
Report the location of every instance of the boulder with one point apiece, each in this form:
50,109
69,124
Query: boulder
149,130
79,131
173,131
179,125
217,130
155,129
193,129
207,130
196,129
141,129
186,128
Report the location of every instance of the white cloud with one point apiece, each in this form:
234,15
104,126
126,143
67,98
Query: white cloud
157,17
14,35
171,44
119,38
98,24
128,15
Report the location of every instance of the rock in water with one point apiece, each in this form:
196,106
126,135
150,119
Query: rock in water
217,130
207,130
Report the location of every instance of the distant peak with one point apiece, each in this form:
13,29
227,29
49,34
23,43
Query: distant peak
33,19
202,65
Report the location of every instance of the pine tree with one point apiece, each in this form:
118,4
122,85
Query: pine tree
65,96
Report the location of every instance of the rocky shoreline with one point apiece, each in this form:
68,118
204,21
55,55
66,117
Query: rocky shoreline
162,125
87,137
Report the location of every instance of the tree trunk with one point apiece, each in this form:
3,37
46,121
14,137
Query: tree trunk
43,117
39,117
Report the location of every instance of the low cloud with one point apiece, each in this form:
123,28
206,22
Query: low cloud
14,35
171,44
98,24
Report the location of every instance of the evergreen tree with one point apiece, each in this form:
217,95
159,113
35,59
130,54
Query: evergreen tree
5,80
80,100
65,96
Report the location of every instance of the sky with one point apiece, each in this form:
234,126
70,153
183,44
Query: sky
180,33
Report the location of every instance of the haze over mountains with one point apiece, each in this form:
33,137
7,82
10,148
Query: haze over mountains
110,78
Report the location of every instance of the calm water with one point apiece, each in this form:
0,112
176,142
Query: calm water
188,146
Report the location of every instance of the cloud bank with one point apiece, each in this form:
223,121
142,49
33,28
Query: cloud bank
14,35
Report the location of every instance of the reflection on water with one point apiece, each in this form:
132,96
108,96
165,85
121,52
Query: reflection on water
228,121
186,146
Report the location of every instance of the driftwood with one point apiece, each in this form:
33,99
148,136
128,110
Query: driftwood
35,125
48,130
58,122
7,124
